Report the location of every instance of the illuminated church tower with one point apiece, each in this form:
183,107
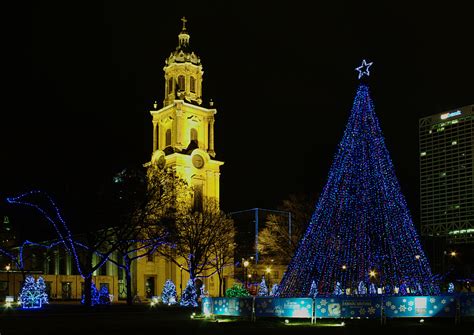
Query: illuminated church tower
183,130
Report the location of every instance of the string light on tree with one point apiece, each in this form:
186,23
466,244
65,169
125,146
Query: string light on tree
361,229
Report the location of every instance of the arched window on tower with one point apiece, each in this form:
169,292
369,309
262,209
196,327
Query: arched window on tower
192,85
198,197
168,137
170,85
181,83
194,135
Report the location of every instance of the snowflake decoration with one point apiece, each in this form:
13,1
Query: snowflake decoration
323,310
443,301
324,302
352,312
388,303
432,300
409,309
371,310
393,307
318,306
362,311
435,307
395,312
402,308
404,300
410,303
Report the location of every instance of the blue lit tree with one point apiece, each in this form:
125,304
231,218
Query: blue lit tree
41,286
263,289
189,297
361,229
274,290
33,294
168,296
313,290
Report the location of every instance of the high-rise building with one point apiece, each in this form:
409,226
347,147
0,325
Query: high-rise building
446,175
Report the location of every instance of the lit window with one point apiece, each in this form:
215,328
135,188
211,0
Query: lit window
454,142
423,154
442,174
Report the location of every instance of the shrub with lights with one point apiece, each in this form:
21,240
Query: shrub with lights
237,291
168,296
189,297
361,229
98,297
33,293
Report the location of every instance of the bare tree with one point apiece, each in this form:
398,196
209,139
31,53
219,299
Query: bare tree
274,241
222,251
195,237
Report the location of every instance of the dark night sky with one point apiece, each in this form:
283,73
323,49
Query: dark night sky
79,81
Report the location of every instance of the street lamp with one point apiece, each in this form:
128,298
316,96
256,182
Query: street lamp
8,278
181,280
453,253
246,264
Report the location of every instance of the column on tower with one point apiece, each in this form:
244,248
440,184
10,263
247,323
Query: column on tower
179,125
211,134
155,135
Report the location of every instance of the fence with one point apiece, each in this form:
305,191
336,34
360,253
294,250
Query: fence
369,307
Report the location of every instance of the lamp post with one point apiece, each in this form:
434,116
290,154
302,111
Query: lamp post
246,264
181,280
7,268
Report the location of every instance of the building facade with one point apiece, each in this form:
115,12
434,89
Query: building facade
446,144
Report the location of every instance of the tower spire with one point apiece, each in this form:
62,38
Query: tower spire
184,23
183,36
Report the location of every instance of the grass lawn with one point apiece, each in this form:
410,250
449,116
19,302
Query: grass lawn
119,319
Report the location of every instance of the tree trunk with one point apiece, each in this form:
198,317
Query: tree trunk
87,291
88,280
128,279
220,283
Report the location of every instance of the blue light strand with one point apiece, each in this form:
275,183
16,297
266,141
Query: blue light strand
66,237
361,229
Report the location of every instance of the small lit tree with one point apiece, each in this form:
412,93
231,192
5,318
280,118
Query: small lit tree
274,290
30,295
189,297
263,289
41,285
168,296
313,291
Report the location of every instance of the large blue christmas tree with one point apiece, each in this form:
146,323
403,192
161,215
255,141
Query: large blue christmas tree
361,230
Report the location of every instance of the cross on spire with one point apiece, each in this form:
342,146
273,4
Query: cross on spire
184,22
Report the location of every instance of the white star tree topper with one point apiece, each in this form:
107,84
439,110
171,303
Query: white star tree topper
364,68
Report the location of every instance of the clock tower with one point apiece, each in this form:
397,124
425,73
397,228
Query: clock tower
183,129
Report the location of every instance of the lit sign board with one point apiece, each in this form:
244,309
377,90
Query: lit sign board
448,115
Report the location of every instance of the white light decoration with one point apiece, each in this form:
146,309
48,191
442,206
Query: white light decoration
364,68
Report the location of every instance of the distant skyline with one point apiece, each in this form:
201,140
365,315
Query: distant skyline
81,82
